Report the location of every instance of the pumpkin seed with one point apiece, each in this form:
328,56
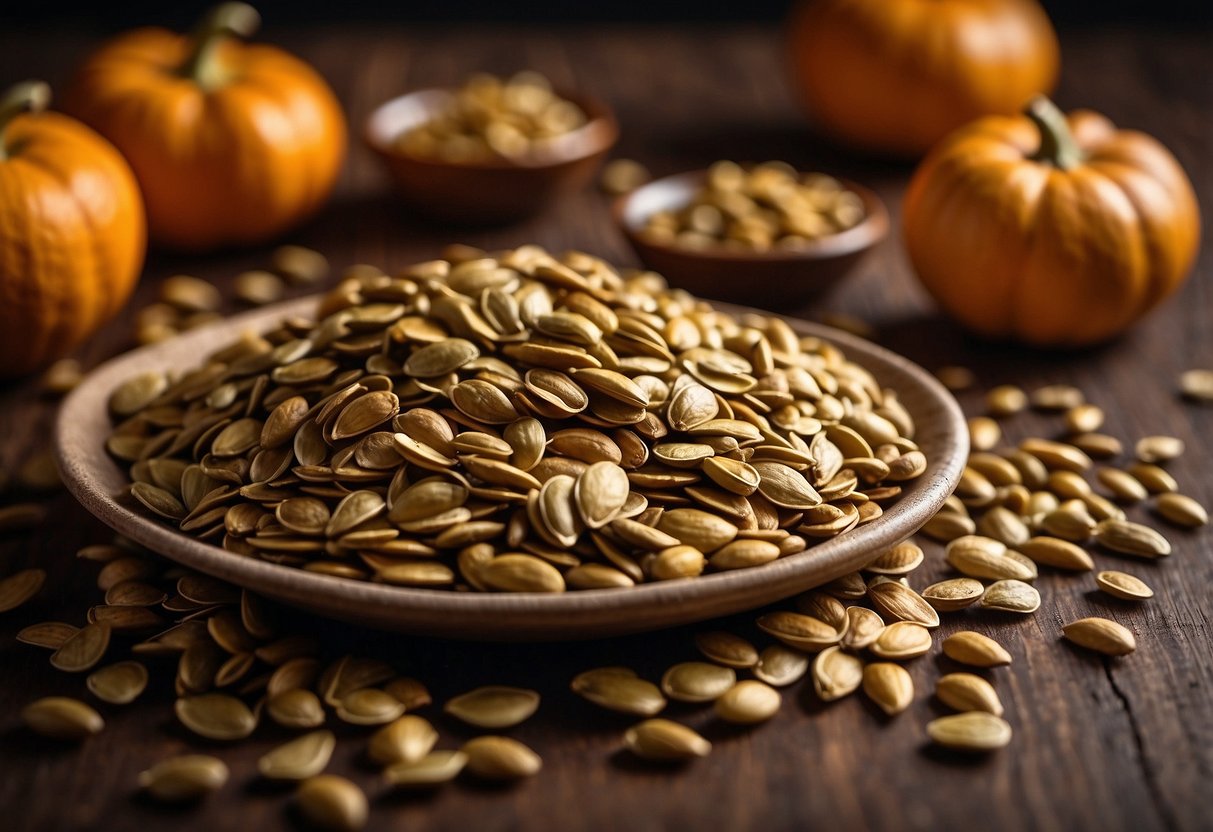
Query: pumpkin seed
861,629
296,708
500,758
889,686
1130,538
836,674
895,602
665,741
697,681
974,731
967,692
333,803
495,706
1053,551
1153,449
435,768
902,640
619,689
183,779
803,632
1011,596
1057,397
954,594
1124,586
1122,484
748,703
118,684
20,587
1197,385
1101,635
1178,509
61,718
781,666
216,716
1006,400
968,647
83,649
727,649
50,634
406,741
299,759
1155,479
369,706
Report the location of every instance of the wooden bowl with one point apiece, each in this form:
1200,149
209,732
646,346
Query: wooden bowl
777,279
94,478
492,190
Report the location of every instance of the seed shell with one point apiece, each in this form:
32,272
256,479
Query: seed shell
1124,586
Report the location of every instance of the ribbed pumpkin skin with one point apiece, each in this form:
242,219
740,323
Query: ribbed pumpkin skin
1017,249
896,76
236,165
72,239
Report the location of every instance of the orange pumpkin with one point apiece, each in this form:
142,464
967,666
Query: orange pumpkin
72,234
896,76
1052,231
232,143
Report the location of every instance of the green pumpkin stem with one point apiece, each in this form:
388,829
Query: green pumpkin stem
24,97
223,21
1057,145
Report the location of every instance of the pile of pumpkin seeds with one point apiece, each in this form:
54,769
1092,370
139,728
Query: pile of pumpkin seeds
758,208
516,422
494,118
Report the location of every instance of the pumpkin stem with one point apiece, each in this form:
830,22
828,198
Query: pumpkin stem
1057,145
223,21
25,97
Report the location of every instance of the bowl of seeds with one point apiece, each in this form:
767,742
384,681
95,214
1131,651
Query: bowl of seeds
765,235
512,445
492,150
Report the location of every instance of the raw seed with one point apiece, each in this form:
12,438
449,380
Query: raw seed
299,759
836,674
61,718
1123,485
748,703
968,647
216,716
895,602
500,758
697,681
1180,510
369,706
19,587
1131,539
1101,635
619,689
118,684
494,706
329,802
665,741
406,741
727,649
862,628
1155,479
185,778
1011,596
435,768
296,708
975,731
967,692
781,666
1124,586
889,686
954,594
902,640
1058,553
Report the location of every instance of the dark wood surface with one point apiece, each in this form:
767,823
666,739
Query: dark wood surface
1099,744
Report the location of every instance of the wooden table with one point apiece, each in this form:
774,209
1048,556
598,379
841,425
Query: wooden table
1099,744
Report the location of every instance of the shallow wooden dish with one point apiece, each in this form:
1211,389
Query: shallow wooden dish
494,190
784,277
94,478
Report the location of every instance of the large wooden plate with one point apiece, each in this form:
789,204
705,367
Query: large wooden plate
94,478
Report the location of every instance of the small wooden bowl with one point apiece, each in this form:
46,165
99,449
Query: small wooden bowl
492,190
777,279
96,479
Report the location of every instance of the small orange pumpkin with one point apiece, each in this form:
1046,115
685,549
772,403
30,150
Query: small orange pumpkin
896,76
1052,231
231,143
72,233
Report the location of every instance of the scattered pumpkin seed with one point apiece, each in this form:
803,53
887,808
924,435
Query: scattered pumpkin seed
118,684
1124,586
332,803
500,758
889,686
61,718
185,778
1101,635
496,706
974,731
665,741
747,703
299,759
406,741
435,768
968,692
697,681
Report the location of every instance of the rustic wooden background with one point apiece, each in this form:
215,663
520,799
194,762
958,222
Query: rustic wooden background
1099,744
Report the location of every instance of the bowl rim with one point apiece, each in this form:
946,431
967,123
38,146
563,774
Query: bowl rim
93,478
598,135
873,228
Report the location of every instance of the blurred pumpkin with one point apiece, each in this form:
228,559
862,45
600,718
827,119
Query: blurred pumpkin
1052,231
896,76
232,143
72,233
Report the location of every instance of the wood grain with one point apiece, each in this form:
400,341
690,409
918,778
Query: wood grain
1100,744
